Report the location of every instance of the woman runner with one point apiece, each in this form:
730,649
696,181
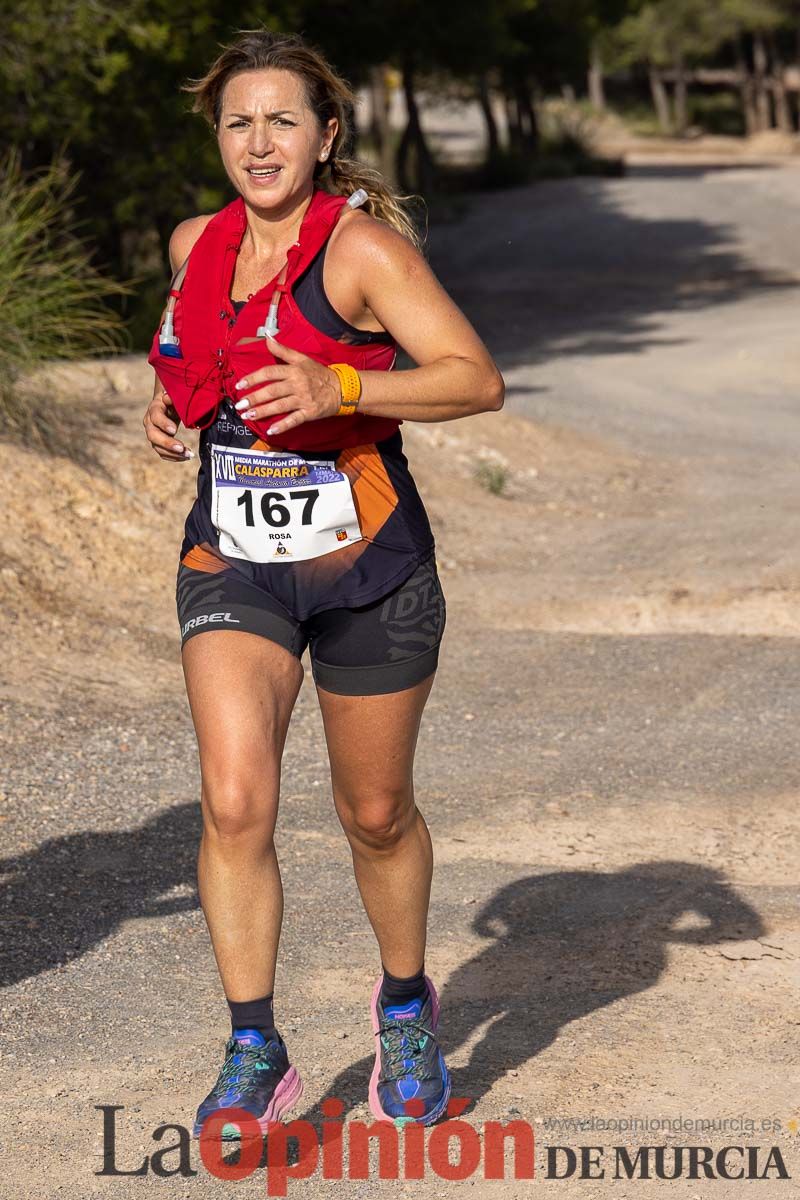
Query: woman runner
293,454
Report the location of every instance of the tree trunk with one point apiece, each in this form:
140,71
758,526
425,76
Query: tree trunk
413,146
485,100
512,121
746,91
596,80
660,100
681,103
529,123
783,111
380,129
762,97
351,148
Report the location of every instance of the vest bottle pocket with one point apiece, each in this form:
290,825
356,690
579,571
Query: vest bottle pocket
191,397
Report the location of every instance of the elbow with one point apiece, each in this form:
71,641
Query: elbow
495,393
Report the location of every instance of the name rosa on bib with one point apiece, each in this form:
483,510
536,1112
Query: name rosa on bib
260,497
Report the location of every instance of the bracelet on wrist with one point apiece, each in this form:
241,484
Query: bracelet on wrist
350,385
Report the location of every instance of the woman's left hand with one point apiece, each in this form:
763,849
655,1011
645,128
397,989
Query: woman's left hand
297,389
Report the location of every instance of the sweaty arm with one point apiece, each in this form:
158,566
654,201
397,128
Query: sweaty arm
455,376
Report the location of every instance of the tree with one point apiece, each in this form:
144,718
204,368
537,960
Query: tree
601,19
99,80
759,19
672,34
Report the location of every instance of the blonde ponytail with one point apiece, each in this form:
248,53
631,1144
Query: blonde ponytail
347,175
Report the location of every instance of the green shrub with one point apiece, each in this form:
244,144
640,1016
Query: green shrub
717,113
565,151
493,476
568,145
52,299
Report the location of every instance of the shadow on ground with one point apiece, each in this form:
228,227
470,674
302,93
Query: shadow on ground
70,893
573,269
563,945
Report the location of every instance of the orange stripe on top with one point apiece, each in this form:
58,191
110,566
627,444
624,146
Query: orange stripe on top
375,500
203,558
373,493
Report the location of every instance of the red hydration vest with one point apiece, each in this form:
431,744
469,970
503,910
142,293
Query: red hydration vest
214,342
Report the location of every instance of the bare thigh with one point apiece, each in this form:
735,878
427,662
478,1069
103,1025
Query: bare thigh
242,689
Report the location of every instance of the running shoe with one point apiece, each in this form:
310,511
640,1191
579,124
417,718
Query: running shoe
408,1062
255,1076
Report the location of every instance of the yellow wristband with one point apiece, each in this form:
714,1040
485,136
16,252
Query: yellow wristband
350,384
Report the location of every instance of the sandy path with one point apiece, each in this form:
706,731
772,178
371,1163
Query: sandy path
608,763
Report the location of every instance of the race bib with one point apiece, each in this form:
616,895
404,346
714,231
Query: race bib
276,506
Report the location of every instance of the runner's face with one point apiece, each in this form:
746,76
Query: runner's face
266,122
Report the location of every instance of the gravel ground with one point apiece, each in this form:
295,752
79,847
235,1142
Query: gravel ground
607,764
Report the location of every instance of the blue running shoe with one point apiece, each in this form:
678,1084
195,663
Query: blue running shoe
408,1062
255,1076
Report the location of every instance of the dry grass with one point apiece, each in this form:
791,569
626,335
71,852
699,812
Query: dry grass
54,302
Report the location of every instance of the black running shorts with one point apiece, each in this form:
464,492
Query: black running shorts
385,646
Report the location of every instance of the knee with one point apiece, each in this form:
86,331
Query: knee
235,811
378,822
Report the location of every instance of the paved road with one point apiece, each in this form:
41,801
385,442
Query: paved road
614,911
659,312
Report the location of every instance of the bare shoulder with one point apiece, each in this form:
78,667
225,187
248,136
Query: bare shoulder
374,245
184,237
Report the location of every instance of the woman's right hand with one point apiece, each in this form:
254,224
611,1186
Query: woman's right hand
161,424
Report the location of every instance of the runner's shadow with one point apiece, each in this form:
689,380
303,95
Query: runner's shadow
70,893
564,945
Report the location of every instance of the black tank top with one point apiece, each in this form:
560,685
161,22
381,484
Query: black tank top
397,533
309,295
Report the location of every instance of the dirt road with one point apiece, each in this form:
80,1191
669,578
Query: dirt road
608,762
